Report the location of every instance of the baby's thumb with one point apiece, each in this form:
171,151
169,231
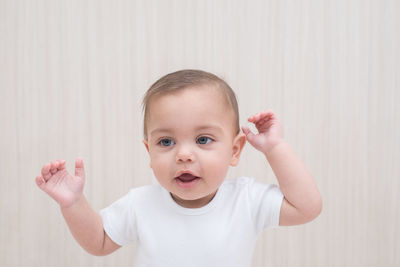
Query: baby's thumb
41,183
79,168
249,135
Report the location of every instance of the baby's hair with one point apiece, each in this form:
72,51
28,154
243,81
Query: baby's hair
184,79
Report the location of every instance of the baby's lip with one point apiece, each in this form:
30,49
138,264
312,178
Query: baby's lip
185,172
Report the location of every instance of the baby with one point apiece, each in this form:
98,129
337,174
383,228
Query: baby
194,217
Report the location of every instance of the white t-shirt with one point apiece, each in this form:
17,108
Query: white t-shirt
222,233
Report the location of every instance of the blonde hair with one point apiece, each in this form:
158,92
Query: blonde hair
184,79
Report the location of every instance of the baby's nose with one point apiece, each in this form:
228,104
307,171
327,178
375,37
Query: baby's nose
184,154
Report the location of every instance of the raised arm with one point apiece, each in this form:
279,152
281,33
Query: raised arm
302,201
84,223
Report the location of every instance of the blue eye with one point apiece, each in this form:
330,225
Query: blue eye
203,140
166,142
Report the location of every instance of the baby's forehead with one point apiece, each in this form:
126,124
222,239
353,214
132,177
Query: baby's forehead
199,92
195,106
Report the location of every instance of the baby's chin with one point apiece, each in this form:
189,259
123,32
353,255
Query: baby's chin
193,201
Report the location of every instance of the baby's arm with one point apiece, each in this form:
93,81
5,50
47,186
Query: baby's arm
84,223
87,228
302,201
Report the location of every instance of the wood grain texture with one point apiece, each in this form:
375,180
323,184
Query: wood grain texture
73,73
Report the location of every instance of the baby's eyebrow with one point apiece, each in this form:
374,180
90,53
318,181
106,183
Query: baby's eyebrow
200,128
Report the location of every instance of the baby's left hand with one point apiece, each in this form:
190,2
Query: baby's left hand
269,128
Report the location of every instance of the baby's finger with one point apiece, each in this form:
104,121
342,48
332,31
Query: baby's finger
54,166
264,121
259,120
253,118
249,134
261,115
41,183
246,130
266,115
61,164
46,171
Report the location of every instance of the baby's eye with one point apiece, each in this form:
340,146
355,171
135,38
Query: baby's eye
166,142
203,140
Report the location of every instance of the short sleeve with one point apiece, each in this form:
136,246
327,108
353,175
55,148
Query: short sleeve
265,204
119,220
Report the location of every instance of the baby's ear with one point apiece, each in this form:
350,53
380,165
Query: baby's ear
146,144
238,145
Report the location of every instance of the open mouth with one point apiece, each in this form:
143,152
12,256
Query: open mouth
187,178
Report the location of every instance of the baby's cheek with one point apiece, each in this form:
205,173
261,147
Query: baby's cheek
160,165
216,166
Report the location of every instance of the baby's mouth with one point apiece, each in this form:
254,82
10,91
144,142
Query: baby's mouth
187,177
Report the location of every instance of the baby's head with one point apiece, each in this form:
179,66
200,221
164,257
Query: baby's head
188,79
191,125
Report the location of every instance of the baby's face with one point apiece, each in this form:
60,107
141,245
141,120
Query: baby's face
192,131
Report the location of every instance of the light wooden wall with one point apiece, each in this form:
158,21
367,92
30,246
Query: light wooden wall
72,75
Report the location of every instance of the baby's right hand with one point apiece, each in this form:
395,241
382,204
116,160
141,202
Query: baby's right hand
59,184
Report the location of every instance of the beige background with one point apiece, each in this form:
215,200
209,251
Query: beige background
72,75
